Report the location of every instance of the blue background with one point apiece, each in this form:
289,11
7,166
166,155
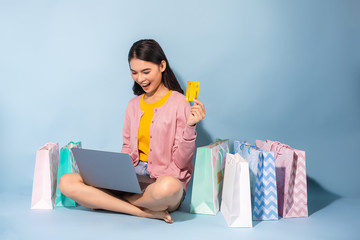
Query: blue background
279,70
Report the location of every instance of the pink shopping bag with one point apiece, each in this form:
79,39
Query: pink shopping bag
290,178
45,175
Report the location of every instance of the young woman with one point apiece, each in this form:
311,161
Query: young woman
159,135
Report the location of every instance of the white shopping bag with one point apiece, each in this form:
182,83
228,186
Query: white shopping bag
236,200
45,175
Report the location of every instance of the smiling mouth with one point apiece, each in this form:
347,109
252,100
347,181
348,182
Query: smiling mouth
145,85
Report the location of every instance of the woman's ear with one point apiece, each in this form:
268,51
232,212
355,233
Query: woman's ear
162,66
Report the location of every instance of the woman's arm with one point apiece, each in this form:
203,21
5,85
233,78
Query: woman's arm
126,132
184,146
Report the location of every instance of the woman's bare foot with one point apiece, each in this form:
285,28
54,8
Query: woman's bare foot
164,215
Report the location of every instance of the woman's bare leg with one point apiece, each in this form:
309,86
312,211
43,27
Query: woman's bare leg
164,194
73,186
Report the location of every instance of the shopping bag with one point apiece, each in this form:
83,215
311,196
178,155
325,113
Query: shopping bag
67,164
45,175
236,201
291,178
208,177
262,180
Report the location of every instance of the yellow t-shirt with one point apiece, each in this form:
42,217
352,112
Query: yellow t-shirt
145,122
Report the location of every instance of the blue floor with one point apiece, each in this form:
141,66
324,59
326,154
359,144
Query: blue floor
331,217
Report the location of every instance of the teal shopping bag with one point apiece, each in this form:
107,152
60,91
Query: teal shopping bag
67,164
208,177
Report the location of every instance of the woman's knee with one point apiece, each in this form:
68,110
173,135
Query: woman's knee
168,186
68,181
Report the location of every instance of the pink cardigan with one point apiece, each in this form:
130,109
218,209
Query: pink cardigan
172,141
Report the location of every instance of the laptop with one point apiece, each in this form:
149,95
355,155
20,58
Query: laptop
109,170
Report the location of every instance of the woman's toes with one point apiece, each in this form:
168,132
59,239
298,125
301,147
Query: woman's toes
164,215
168,218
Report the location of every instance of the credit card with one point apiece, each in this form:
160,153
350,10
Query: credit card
192,91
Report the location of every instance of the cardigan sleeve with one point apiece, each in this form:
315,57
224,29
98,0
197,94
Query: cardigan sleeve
126,148
185,136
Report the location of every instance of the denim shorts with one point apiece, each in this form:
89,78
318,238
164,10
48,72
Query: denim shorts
142,170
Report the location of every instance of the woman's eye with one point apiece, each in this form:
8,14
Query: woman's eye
146,72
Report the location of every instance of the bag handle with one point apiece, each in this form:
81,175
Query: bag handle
221,154
49,145
219,142
243,143
73,144
277,146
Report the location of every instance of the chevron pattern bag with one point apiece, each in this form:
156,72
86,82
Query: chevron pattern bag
291,178
262,180
208,177
67,164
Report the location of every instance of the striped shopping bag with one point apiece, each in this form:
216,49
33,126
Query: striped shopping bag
262,180
291,178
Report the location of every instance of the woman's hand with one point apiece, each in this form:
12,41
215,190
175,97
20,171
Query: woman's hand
197,113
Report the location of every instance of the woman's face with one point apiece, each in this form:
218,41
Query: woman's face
147,74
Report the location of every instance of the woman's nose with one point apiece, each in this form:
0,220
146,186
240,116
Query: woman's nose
140,78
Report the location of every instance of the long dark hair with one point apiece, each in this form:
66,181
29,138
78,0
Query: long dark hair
149,50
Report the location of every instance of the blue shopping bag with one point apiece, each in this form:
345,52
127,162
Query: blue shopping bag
262,180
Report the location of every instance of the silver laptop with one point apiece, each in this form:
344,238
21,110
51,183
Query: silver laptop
107,170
